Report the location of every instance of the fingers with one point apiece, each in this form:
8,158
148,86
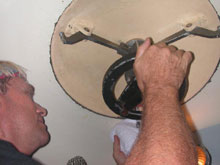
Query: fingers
164,45
161,44
143,47
188,56
116,145
118,155
160,64
180,53
172,48
187,59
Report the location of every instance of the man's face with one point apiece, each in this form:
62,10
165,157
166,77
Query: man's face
23,117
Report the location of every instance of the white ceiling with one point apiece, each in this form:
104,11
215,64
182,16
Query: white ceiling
26,30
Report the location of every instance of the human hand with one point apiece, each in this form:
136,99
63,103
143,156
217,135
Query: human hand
118,155
160,66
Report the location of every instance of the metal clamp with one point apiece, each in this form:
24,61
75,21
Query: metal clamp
124,49
197,31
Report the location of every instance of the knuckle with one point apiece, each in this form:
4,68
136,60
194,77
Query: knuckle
154,47
161,44
166,51
172,48
188,56
181,50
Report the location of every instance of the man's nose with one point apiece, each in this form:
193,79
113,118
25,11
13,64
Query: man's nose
41,110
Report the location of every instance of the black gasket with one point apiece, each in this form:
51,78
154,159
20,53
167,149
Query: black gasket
115,71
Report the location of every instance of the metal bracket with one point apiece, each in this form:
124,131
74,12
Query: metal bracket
124,49
197,31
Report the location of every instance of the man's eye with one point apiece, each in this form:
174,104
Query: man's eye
30,94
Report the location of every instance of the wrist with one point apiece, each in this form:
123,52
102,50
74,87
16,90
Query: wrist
167,92
160,99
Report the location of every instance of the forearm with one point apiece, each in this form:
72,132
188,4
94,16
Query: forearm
165,137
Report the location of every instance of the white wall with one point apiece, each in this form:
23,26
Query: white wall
26,29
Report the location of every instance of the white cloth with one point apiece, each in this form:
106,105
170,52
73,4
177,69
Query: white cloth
127,132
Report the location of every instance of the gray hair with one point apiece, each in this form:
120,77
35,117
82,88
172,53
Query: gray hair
9,70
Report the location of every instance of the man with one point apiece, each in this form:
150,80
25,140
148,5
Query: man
164,136
22,127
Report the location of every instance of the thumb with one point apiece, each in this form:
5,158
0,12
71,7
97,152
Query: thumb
143,47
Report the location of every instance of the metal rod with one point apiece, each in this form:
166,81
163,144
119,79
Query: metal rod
77,37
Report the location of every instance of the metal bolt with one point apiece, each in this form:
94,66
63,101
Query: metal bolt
86,29
188,25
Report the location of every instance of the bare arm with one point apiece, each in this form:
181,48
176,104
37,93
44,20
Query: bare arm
165,138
